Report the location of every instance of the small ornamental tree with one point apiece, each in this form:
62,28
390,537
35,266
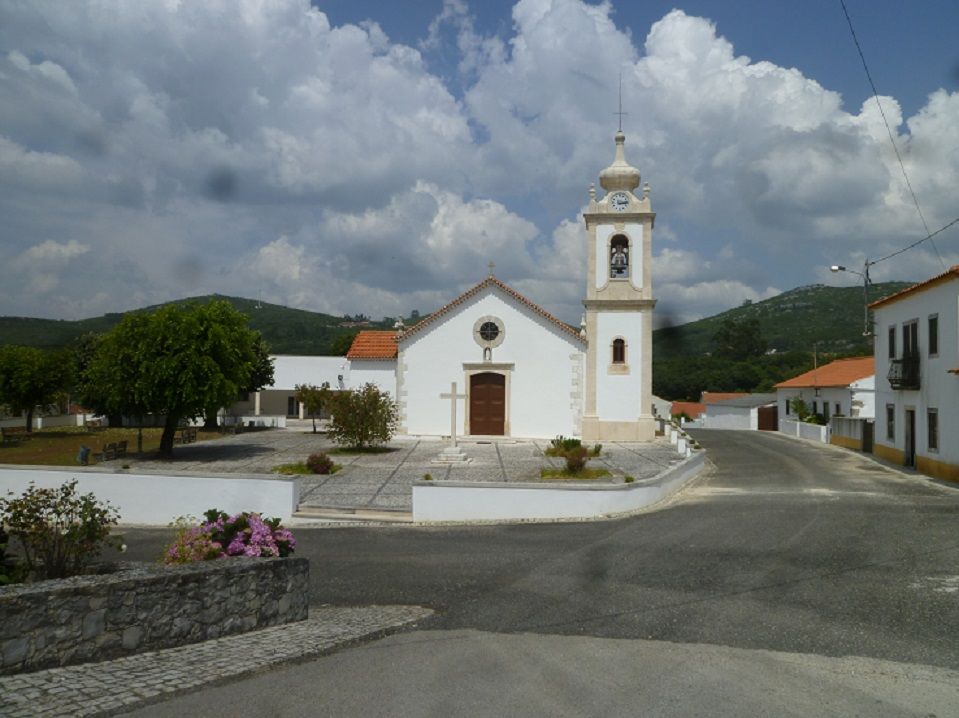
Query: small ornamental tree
31,377
800,408
314,398
363,417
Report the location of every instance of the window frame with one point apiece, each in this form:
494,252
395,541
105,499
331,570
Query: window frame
892,342
620,343
891,422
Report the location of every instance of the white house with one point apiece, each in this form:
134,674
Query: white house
279,400
845,387
518,370
917,370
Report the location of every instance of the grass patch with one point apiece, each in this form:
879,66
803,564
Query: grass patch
300,467
582,475
59,446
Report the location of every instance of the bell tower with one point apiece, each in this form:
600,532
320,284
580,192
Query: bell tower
619,307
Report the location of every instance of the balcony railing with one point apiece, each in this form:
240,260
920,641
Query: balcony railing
904,373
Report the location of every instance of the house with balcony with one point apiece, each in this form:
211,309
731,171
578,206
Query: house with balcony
917,376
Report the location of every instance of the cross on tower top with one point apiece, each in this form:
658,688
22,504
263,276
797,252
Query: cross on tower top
620,112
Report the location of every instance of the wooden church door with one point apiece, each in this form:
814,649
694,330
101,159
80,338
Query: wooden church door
488,404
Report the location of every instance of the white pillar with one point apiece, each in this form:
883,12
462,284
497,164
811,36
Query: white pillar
256,403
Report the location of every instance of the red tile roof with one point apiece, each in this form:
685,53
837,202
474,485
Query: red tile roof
711,397
373,344
492,282
951,273
841,372
692,409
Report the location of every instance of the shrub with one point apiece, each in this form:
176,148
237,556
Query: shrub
576,459
362,417
320,463
59,531
427,477
561,445
222,536
628,479
596,450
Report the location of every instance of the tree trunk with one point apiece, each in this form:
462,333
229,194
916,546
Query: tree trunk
211,422
29,420
166,440
314,423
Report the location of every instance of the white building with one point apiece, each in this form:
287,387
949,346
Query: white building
518,370
845,387
288,371
739,412
917,371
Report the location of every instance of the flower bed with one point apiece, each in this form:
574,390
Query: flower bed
144,607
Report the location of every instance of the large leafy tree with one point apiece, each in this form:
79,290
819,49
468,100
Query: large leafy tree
31,377
175,362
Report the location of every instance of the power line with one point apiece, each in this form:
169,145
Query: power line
892,140
917,243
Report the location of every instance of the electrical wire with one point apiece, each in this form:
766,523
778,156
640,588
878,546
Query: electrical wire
892,140
917,243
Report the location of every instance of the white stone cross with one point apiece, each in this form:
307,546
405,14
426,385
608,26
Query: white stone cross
452,396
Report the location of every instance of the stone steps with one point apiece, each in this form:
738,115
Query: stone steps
337,513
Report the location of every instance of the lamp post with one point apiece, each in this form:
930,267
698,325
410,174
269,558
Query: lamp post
866,329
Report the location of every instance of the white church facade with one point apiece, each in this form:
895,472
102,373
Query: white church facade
518,370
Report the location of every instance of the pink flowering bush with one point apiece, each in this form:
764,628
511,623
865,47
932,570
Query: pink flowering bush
222,536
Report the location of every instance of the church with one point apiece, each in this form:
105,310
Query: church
510,368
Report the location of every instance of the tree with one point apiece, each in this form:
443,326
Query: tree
363,417
738,340
313,398
175,362
800,408
31,377
260,375
342,343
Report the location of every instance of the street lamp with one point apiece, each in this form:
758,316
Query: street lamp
866,329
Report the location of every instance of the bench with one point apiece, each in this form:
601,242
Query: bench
185,436
113,450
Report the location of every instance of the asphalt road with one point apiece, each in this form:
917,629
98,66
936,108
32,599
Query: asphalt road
783,548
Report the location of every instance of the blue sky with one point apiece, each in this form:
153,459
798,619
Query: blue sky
373,157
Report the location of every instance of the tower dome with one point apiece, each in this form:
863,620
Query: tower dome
620,175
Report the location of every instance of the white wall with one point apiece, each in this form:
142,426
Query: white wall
288,371
729,417
540,398
158,499
938,388
856,400
619,396
379,372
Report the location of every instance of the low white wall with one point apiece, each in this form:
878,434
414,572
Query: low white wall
159,499
804,430
269,420
480,501
41,422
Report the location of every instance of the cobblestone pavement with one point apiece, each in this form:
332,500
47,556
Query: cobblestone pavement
384,480
110,687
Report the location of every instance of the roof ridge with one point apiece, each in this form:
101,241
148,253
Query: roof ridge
473,291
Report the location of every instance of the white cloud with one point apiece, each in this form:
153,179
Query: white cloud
197,147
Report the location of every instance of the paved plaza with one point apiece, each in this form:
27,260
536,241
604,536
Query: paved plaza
384,480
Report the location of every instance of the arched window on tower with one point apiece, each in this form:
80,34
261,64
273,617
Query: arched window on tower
619,351
619,257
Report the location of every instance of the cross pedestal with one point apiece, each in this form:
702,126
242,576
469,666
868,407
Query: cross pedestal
452,454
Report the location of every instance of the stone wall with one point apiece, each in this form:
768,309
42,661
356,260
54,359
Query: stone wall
143,607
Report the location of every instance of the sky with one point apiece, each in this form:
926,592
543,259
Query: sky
373,157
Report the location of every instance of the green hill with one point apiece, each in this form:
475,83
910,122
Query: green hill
831,317
286,330
791,321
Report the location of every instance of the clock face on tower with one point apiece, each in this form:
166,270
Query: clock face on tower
619,201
